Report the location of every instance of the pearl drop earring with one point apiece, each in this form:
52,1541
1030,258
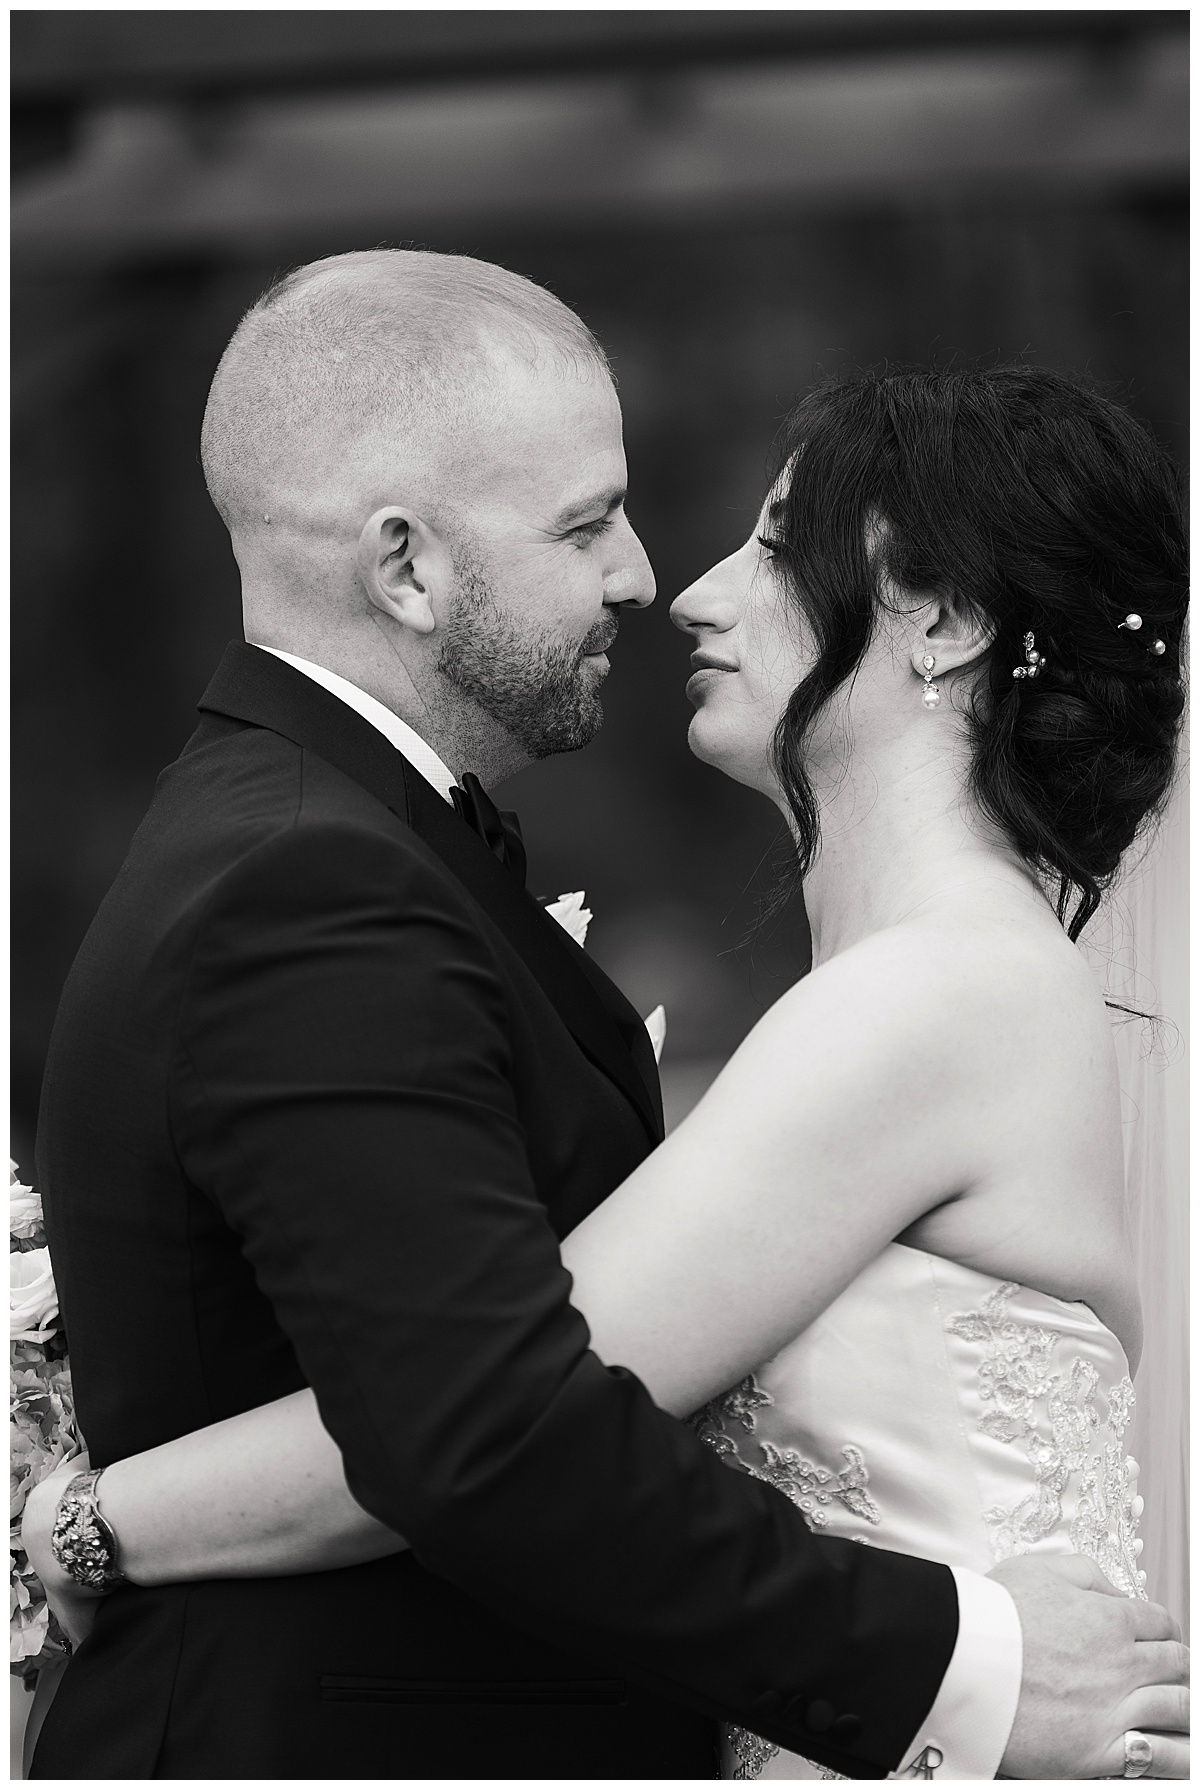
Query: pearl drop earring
930,695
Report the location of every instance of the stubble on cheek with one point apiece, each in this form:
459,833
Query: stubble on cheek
535,686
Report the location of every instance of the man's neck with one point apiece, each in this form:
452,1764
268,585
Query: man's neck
461,734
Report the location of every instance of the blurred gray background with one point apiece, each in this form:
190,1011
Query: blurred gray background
735,201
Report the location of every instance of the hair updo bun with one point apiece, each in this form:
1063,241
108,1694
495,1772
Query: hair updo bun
1044,508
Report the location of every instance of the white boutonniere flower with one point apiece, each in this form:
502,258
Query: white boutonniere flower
574,918
571,915
656,1025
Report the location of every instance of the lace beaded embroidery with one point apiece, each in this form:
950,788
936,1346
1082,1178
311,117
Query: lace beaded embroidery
1054,1417
750,1752
810,1486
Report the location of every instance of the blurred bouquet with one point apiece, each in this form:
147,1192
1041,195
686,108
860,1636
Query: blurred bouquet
42,1421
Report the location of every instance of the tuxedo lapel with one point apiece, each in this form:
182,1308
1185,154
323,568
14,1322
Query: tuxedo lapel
599,1016
628,1022
251,685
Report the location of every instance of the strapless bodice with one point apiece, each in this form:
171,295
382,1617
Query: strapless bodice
938,1411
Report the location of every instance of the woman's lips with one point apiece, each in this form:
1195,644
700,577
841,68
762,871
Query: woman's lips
707,670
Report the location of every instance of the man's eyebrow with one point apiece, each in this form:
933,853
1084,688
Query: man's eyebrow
603,503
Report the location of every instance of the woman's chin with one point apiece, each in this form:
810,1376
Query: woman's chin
703,741
712,745
735,758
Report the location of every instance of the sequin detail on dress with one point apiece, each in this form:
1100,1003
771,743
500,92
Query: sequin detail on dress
810,1486
1055,1418
751,1752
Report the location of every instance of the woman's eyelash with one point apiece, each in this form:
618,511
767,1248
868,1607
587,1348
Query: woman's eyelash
591,531
769,544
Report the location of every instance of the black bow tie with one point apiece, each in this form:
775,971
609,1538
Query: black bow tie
501,833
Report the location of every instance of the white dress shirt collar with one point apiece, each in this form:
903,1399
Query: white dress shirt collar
420,756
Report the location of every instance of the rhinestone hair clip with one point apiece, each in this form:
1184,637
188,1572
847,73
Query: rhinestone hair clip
1133,623
1033,660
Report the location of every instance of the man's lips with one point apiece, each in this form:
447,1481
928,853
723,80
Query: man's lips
596,645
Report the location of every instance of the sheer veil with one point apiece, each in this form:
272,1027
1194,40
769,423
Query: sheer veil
1138,945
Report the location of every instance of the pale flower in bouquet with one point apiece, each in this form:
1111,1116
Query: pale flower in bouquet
42,1425
42,1436
28,1618
32,1296
24,1210
42,1432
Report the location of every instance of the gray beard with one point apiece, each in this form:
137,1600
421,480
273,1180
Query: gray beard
533,685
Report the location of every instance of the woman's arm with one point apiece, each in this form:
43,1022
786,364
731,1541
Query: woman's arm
813,1149
872,1093
260,1494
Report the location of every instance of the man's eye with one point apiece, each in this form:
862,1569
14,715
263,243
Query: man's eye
591,531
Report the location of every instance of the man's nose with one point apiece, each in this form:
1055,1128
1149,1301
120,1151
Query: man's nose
632,582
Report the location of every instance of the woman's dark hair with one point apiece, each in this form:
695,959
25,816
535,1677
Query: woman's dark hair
1041,507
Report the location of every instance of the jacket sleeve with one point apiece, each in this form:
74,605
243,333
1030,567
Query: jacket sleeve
342,1088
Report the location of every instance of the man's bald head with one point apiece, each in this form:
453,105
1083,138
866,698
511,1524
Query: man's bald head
364,368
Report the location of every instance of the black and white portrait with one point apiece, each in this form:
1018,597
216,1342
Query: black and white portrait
599,1107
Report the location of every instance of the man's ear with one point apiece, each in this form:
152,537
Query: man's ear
951,633
404,567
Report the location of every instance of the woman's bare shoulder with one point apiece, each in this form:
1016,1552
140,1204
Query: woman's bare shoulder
982,1044
991,1041
945,985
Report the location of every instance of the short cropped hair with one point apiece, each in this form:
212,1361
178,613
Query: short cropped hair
362,347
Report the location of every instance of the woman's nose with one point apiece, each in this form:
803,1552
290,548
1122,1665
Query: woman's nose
705,604
682,610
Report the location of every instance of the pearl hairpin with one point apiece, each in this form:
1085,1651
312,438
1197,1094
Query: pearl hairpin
1133,622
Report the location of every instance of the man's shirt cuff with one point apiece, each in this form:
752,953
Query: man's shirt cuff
965,1733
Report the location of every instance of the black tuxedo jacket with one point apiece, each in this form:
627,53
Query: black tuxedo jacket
325,1091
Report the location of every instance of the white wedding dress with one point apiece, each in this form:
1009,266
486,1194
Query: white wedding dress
943,1413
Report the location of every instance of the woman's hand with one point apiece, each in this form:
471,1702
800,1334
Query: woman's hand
73,1605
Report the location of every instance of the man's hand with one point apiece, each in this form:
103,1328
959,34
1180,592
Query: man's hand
74,1606
1095,1664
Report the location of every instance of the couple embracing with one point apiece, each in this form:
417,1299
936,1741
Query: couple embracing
476,1431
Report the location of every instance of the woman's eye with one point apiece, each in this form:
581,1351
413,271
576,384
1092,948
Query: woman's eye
587,532
770,545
